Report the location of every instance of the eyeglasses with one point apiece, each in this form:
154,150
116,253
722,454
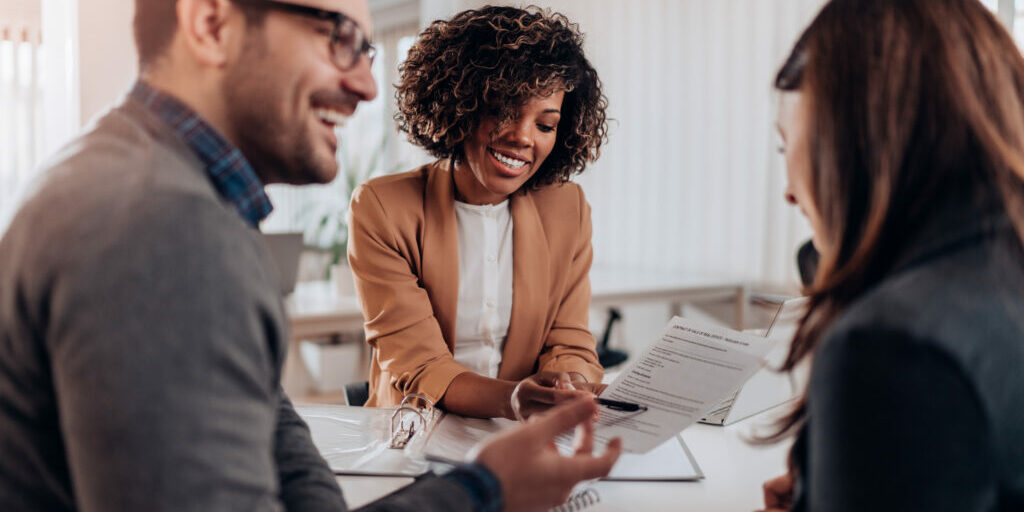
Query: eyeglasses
348,41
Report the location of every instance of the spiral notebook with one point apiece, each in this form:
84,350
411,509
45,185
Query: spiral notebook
586,498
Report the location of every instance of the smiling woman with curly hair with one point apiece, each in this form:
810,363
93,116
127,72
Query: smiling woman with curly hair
489,63
473,270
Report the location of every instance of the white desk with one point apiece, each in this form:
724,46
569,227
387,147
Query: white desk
611,286
733,473
316,310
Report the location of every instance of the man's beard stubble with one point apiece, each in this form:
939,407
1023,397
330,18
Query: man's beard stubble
254,96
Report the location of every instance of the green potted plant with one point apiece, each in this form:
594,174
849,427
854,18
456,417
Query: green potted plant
325,213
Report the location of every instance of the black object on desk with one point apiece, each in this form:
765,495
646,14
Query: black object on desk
609,357
807,262
357,393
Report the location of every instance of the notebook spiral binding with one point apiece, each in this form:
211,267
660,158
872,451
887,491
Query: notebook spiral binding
579,501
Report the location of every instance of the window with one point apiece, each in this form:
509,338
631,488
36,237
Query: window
1011,13
21,102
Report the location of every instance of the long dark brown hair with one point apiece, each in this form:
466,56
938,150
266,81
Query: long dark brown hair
912,105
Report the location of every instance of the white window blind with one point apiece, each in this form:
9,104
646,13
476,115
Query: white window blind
21,94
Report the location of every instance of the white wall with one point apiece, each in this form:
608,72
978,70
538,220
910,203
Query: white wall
107,57
20,12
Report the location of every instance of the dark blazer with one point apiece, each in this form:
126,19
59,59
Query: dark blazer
142,335
916,399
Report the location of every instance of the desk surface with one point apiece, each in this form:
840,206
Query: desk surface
612,285
316,309
733,473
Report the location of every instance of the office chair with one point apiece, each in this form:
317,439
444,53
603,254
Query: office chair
807,262
356,393
610,357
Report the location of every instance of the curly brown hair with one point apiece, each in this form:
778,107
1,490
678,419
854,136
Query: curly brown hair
488,62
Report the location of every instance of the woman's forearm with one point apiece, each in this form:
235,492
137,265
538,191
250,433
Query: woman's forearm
478,396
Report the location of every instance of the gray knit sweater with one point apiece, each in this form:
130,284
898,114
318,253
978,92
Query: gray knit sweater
141,343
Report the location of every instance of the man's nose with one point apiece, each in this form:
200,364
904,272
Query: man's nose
360,82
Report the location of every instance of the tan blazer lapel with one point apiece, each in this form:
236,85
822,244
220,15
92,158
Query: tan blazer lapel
530,283
441,248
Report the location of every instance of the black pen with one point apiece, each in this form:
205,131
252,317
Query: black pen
616,405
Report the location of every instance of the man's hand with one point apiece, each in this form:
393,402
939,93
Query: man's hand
543,390
778,494
533,475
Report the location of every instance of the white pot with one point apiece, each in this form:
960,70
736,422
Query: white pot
334,365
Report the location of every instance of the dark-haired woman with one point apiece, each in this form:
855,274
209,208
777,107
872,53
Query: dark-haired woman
473,270
904,143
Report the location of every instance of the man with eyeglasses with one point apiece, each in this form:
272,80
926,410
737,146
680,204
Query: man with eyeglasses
141,331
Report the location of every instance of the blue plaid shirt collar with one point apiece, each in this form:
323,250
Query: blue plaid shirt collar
231,174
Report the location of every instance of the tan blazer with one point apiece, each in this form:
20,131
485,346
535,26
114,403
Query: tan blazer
403,248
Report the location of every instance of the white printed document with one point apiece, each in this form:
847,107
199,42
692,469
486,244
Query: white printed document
679,378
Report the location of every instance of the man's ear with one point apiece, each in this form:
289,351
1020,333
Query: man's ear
210,29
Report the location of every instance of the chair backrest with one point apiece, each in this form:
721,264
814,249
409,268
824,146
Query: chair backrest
357,393
807,262
607,356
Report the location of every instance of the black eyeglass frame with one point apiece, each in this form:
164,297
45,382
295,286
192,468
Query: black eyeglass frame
361,46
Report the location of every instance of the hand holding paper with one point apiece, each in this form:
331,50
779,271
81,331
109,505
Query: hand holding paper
679,378
541,391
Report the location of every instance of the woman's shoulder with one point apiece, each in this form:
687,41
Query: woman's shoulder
404,190
411,181
968,321
943,300
559,198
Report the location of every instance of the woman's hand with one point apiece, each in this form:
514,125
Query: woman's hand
544,390
579,382
778,494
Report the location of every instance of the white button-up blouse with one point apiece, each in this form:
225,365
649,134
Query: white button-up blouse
485,285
